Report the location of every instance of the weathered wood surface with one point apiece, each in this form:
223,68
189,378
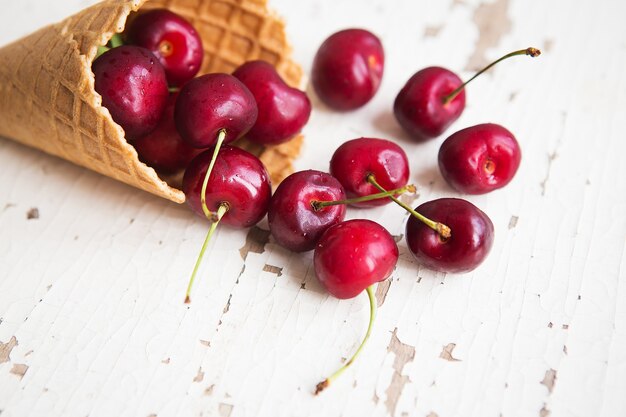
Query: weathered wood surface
92,272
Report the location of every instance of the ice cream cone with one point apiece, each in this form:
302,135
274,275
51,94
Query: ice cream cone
47,96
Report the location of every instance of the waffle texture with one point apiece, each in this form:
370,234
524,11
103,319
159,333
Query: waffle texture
48,101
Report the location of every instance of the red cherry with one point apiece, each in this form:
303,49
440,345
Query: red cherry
238,180
479,159
351,257
283,111
294,221
163,149
348,69
211,104
354,255
172,39
434,98
468,246
133,88
419,107
357,159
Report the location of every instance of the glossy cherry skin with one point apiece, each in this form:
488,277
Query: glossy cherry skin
353,255
163,149
294,223
348,69
238,179
479,159
172,39
420,108
283,111
353,161
213,102
469,245
133,87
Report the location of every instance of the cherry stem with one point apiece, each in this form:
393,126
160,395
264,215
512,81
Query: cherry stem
215,218
325,383
533,52
220,140
116,40
318,205
443,230
174,89
221,211
102,50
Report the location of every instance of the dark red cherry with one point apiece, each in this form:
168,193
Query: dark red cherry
348,69
356,159
434,98
353,255
172,39
420,107
133,87
283,111
163,149
212,103
294,221
467,247
238,180
479,159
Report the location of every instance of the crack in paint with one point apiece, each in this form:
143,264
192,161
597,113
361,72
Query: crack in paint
227,306
432,31
6,348
200,376
256,240
32,214
446,353
493,23
381,292
19,369
549,380
225,410
403,354
273,270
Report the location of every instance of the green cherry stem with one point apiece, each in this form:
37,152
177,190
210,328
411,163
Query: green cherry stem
220,141
221,211
215,218
532,52
102,50
116,40
318,205
174,89
442,229
325,383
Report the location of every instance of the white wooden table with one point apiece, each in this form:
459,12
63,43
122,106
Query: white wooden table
91,315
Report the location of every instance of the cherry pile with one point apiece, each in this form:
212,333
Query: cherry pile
178,121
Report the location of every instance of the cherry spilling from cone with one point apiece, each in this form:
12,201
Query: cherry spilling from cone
179,121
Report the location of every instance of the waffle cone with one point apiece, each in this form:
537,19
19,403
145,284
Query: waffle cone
48,101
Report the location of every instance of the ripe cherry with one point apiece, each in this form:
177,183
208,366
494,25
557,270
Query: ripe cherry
360,162
172,39
348,69
163,149
434,98
294,222
479,159
283,111
351,257
211,105
133,87
467,247
235,189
